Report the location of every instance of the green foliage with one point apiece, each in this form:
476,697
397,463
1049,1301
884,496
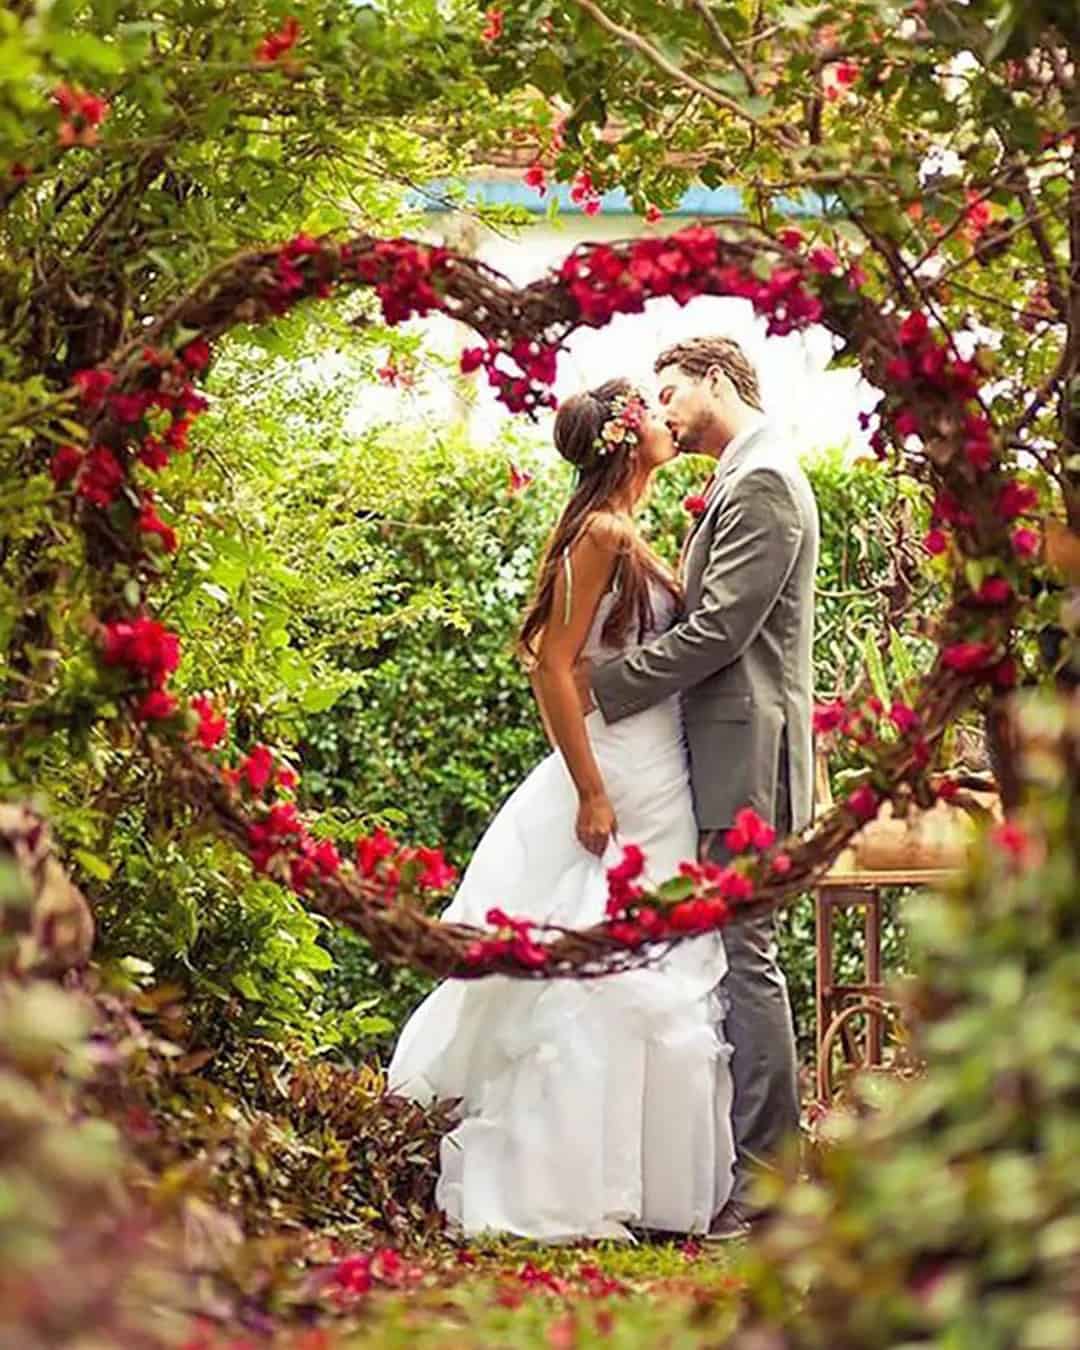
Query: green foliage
956,1201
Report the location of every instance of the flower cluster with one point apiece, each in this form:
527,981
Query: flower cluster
81,115
622,427
274,46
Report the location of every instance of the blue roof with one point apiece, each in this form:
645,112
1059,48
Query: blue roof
696,201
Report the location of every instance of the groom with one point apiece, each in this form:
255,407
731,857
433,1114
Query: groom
741,659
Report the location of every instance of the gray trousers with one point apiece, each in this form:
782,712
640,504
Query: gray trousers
759,1028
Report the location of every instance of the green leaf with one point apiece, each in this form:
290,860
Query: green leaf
87,49
247,986
875,668
676,888
96,867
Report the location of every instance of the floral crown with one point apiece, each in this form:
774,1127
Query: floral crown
622,427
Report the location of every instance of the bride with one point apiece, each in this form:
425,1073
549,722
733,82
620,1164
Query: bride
586,1105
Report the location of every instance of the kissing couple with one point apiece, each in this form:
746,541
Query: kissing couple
645,1099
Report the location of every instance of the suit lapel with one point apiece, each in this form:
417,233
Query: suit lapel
715,492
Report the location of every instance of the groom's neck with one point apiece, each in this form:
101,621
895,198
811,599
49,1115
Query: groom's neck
738,421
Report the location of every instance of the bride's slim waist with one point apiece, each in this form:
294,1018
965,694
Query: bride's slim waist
660,726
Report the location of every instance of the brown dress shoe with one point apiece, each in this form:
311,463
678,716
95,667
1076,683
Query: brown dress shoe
733,1221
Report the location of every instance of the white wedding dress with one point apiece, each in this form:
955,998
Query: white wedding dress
587,1103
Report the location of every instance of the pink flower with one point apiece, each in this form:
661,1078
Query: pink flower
630,867
653,214
863,802
994,591
791,238
196,355
535,176
906,423
935,542
276,45
914,329
781,864
372,850
257,767
493,29
695,504
829,717
967,657
903,718
100,478
155,706
749,831
212,725
150,522
1025,543
1015,499
472,358
1011,838
437,873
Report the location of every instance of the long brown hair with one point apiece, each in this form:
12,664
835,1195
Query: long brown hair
602,479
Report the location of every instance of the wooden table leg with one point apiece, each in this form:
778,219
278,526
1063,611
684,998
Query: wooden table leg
873,972
824,980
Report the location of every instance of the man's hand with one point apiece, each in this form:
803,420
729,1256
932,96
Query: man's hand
583,684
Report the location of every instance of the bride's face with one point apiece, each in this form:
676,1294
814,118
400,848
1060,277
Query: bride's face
655,443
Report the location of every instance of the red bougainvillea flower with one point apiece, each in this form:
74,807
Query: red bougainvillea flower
935,542
144,646
1012,839
1005,674
629,867
903,718
153,454
695,504
82,114
967,657
257,767
519,480
373,849
65,464
472,358
914,329
906,423
1025,543
100,478
781,864
93,385
212,724
1015,499
749,831
830,717
155,706
286,777
150,522
863,802
196,355
535,176
493,29
994,592
653,214
275,45
437,873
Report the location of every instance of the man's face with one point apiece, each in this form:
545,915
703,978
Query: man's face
691,409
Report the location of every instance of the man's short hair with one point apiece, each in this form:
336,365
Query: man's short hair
697,356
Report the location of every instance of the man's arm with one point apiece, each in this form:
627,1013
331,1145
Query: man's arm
756,537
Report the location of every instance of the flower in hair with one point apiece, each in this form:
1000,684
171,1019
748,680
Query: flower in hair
622,429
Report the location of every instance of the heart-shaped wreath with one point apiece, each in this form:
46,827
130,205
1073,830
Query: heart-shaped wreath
137,412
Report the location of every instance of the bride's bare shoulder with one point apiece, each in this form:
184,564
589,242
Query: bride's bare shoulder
609,531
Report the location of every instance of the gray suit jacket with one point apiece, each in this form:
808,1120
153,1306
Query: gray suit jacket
741,657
